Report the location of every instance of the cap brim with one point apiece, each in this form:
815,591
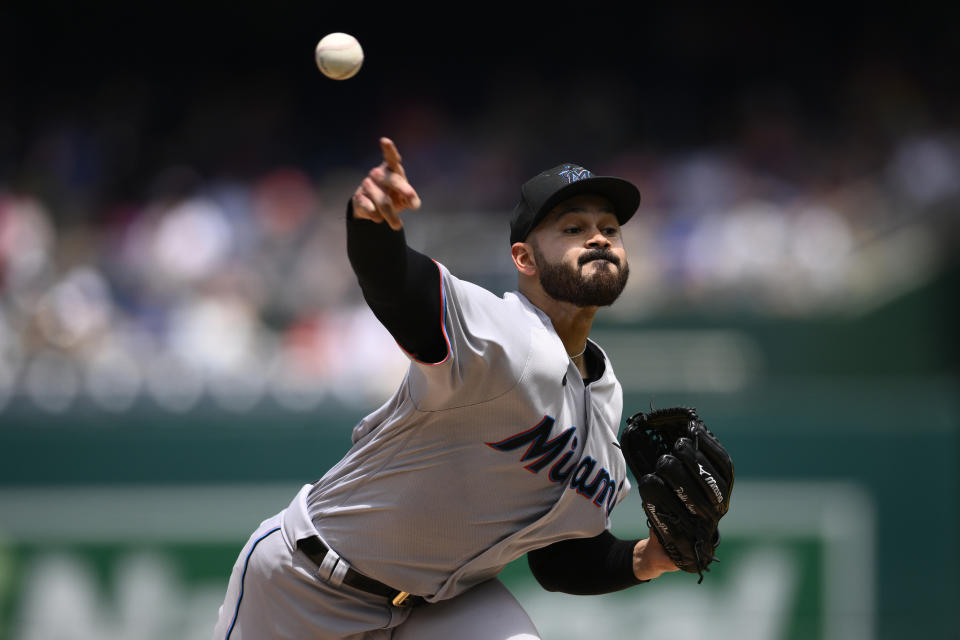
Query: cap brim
624,196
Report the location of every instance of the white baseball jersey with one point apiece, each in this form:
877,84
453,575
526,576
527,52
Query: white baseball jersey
497,450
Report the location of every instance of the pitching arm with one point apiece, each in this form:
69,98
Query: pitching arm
401,285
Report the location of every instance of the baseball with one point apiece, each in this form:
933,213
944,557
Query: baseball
339,56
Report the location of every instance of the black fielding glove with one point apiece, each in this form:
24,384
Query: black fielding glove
685,477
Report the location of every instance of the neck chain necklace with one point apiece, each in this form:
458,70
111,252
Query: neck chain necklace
579,354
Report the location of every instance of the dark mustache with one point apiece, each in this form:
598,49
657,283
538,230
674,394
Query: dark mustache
598,254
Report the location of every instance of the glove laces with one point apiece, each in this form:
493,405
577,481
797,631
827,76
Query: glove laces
701,567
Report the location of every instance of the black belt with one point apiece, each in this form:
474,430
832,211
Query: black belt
316,550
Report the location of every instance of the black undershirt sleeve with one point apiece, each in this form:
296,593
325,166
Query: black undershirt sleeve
585,566
401,286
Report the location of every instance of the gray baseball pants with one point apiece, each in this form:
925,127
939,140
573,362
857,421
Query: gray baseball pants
274,592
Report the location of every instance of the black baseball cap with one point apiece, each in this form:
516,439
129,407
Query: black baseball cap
541,193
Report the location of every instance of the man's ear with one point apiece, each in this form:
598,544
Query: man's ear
522,254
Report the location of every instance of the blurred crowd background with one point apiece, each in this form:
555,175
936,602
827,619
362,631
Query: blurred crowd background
173,182
183,343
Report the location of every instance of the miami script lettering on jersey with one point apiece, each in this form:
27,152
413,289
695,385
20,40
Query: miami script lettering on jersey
583,476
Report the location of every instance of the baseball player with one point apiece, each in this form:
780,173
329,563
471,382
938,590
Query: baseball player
500,441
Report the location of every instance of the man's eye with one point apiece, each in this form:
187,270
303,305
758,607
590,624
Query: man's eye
611,231
572,230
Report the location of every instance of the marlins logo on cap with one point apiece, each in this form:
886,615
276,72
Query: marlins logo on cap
572,173
540,194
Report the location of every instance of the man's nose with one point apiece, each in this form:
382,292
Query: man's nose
598,240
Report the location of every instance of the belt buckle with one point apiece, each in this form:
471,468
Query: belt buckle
400,599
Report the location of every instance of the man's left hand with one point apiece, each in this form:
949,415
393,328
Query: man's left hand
650,560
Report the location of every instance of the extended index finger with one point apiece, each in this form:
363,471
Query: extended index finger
391,156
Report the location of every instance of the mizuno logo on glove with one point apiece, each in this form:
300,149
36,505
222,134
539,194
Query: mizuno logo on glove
711,483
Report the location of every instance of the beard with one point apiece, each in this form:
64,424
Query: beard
568,284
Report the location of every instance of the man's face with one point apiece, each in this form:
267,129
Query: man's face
579,252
